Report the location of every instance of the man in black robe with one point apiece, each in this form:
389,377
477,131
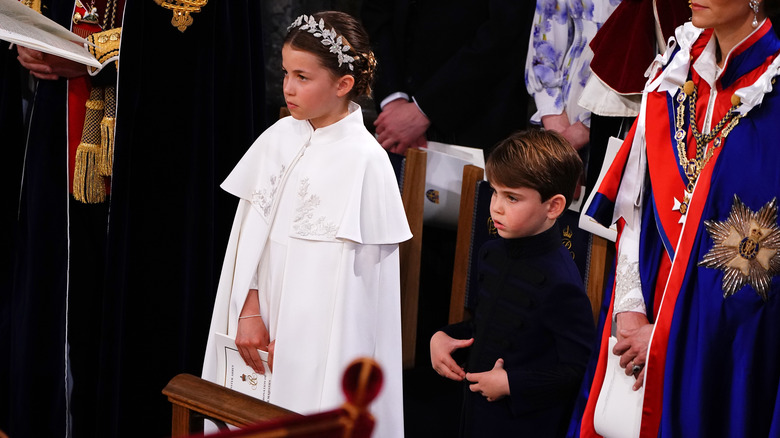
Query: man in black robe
128,284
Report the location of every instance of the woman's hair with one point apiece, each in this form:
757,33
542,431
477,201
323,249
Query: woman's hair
315,34
536,159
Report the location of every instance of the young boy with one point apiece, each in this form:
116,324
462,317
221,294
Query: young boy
530,337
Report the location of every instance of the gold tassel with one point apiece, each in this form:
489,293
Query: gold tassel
107,145
107,132
88,185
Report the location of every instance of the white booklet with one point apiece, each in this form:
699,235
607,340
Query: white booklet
233,373
25,27
444,179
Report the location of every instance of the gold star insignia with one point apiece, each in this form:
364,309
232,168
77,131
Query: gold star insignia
746,247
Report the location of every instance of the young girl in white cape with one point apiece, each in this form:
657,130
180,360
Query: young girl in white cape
311,270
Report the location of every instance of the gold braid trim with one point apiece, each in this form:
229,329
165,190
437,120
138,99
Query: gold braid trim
104,46
88,185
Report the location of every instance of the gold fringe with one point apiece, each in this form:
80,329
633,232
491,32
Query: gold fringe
88,185
107,132
106,146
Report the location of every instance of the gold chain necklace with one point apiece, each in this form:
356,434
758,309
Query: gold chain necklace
693,166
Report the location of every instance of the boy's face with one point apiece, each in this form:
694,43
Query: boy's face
519,212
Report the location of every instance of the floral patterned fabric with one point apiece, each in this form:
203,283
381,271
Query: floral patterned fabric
558,63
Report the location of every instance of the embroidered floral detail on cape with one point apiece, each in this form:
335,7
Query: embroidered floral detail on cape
303,222
264,198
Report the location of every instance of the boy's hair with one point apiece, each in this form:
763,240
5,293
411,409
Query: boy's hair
537,159
352,34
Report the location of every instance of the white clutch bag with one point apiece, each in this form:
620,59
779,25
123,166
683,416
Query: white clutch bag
618,412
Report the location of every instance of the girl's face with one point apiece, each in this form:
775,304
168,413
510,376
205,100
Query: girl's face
722,15
311,91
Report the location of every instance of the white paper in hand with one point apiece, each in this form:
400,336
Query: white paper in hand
234,373
25,27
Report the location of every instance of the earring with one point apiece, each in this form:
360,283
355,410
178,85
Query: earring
690,4
754,6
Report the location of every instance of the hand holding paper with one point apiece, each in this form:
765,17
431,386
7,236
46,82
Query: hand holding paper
252,334
233,373
46,66
23,26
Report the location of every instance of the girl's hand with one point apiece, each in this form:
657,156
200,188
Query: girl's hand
493,384
252,335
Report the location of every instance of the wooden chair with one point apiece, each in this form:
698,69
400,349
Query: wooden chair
468,218
194,399
602,252
410,171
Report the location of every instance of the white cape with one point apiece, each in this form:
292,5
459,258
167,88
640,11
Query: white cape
341,286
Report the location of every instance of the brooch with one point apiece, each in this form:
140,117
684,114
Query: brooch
181,11
746,247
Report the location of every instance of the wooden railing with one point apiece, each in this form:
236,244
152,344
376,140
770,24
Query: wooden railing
194,399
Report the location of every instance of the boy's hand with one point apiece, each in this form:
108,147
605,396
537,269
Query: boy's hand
493,384
442,346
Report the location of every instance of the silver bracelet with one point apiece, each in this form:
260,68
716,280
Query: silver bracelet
250,316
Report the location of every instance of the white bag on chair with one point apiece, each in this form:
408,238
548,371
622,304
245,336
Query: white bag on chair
618,412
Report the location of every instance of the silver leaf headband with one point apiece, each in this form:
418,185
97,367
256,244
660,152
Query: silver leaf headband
338,45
